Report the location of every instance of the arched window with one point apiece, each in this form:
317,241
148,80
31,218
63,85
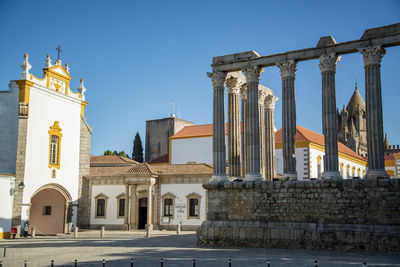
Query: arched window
348,171
353,171
193,205
168,201
363,173
54,145
359,172
319,167
101,206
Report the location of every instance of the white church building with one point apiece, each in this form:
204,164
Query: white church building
44,140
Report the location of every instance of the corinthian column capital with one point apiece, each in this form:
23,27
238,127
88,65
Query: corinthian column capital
328,62
243,91
287,68
217,79
233,85
270,101
372,54
262,93
253,73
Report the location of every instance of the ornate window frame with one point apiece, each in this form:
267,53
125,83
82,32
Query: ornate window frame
168,195
96,198
119,197
341,169
347,171
55,130
353,171
197,196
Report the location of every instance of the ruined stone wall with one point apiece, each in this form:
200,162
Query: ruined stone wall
352,215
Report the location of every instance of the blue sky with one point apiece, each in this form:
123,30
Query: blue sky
138,56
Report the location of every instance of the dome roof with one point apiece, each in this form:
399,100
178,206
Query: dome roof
356,100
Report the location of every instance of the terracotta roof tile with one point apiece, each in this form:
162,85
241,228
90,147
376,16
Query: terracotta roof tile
304,134
111,159
108,171
200,168
142,168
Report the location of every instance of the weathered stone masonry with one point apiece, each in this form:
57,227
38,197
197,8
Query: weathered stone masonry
355,215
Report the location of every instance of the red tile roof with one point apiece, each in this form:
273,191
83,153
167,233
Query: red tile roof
111,159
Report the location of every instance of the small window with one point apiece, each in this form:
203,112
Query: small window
319,168
46,210
101,203
121,207
168,207
194,207
54,150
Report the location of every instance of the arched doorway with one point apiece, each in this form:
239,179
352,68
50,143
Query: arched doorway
142,213
49,210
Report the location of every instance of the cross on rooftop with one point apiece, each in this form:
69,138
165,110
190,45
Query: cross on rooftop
59,50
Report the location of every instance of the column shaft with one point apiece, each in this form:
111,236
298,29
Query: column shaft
219,149
233,127
373,94
126,213
262,139
270,161
133,209
243,134
329,122
288,71
252,124
149,205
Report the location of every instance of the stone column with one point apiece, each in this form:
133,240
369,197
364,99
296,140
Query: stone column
373,96
243,95
288,73
261,97
252,124
149,207
327,64
270,161
133,209
219,149
126,217
233,127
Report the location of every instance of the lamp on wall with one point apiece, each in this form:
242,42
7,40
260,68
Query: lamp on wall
21,185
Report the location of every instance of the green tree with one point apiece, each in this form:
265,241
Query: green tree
122,154
107,152
137,153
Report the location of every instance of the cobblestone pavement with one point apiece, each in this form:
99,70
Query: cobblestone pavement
118,247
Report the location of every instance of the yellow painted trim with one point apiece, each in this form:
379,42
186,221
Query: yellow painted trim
5,235
169,151
297,144
390,173
24,90
83,105
389,163
55,130
186,137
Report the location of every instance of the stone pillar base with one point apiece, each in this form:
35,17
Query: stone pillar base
149,229
125,226
219,178
376,174
331,175
289,176
253,177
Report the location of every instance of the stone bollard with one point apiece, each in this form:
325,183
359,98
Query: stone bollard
178,229
76,229
102,229
33,232
148,231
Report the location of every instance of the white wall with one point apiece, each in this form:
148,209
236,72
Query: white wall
191,149
301,158
6,203
8,128
181,191
111,191
46,107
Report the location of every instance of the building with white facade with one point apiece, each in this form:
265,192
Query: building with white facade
125,194
392,165
45,147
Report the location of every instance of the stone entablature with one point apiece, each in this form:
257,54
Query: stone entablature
351,215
